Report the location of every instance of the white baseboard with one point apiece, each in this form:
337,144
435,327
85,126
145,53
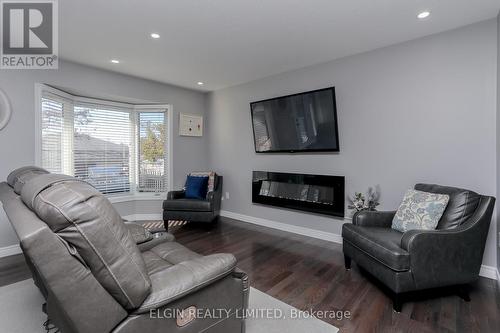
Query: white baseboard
143,217
10,250
489,272
324,235
486,271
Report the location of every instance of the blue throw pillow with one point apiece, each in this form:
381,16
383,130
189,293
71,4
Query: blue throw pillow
196,187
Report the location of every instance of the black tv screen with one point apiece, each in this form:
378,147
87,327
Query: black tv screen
305,122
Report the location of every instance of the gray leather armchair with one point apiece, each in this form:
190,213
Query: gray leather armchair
179,208
416,260
98,274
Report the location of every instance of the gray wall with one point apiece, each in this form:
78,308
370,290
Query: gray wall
142,207
17,146
498,141
420,111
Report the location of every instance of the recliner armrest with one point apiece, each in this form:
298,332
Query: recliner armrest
371,218
138,232
239,274
185,278
172,195
158,238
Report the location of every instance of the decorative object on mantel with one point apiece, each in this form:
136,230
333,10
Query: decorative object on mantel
5,109
190,125
360,202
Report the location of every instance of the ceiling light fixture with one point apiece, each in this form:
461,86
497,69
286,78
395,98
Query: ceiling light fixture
423,15
200,83
114,61
155,35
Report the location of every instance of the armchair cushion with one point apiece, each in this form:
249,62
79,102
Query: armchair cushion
420,210
196,187
460,208
195,205
382,244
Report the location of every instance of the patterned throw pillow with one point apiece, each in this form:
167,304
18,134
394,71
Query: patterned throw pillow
420,210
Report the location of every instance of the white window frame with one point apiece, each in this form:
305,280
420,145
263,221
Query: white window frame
133,195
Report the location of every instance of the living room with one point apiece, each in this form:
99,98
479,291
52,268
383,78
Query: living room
383,99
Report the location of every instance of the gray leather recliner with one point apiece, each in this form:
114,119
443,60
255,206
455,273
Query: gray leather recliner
416,260
99,275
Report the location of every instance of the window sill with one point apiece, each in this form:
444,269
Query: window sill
136,197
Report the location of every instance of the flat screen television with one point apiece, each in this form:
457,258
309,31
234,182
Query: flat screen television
305,122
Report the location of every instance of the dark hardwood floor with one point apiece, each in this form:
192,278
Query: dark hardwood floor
309,274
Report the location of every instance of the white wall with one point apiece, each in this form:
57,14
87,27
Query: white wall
17,139
421,111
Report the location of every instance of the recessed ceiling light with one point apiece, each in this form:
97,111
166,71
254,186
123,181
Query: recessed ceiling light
423,15
200,83
155,35
114,61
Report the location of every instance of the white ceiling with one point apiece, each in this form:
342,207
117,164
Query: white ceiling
227,42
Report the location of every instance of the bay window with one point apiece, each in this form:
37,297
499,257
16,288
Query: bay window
119,148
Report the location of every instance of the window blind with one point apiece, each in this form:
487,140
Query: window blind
56,123
103,147
152,151
116,147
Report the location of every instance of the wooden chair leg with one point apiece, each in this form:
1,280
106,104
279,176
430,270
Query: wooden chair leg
463,292
397,303
347,262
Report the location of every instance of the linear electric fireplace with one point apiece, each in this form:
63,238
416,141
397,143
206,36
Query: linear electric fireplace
313,193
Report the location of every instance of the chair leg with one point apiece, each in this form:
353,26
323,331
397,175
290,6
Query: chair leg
397,303
347,262
463,292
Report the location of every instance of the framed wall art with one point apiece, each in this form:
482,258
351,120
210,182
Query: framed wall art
190,125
